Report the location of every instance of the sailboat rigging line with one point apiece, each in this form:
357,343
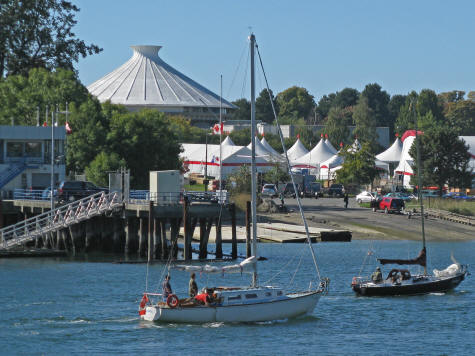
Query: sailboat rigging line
304,220
296,270
280,271
237,69
245,75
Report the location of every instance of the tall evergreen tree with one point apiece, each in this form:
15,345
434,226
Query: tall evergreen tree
365,123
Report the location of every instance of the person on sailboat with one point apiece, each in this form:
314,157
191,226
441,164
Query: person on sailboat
166,287
377,276
205,298
192,286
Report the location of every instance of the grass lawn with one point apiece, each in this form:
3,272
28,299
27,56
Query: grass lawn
195,187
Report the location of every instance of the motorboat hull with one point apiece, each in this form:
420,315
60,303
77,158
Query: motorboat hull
414,286
295,305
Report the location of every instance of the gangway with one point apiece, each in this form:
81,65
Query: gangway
59,218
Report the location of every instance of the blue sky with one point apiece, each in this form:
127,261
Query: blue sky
323,46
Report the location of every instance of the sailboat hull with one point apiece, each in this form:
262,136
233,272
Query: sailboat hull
423,285
293,306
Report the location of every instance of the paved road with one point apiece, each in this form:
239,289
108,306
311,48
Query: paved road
364,223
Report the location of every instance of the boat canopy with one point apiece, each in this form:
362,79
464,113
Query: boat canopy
419,260
246,266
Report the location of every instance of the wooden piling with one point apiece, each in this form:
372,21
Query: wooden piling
219,240
248,229
151,249
204,240
174,230
232,209
186,231
1,213
141,237
157,239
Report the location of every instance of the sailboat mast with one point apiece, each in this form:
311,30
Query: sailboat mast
419,181
220,140
253,160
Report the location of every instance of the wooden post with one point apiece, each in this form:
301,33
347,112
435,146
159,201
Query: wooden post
141,236
219,240
1,213
233,232
157,241
128,237
204,246
248,229
151,241
174,230
186,231
163,227
202,234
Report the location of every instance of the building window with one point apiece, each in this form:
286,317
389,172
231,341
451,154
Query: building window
14,149
33,149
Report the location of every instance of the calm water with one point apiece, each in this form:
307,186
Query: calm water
64,306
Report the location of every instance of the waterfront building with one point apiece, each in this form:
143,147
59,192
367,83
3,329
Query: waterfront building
147,81
25,157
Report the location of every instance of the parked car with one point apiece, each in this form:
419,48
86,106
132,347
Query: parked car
73,190
46,193
400,195
365,197
389,205
336,190
269,190
312,190
289,190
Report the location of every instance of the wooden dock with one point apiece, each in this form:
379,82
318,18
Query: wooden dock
288,233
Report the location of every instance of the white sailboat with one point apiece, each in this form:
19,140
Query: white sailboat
239,304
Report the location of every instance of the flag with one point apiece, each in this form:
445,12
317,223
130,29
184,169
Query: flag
68,128
217,130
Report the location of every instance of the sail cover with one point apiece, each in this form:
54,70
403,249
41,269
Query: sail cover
246,266
419,260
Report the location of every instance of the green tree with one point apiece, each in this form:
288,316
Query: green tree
444,159
451,96
145,142
21,97
295,103
39,34
365,123
378,101
428,110
264,110
276,175
394,108
347,97
241,179
358,167
461,116
241,137
324,106
243,111
98,170
336,125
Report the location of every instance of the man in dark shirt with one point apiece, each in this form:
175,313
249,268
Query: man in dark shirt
166,287
192,286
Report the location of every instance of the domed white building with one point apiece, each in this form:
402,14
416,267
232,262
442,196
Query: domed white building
146,81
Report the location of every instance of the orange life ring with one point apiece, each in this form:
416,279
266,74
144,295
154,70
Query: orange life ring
172,301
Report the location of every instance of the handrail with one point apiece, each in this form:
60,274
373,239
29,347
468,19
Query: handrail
63,216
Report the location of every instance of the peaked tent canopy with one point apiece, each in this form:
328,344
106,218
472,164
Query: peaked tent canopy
228,142
269,147
393,153
320,153
296,151
330,146
262,152
145,80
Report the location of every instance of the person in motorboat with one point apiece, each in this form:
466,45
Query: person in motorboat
377,276
192,286
166,287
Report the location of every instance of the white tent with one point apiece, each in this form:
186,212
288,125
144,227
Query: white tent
296,151
228,142
233,157
393,153
330,146
262,152
269,147
319,154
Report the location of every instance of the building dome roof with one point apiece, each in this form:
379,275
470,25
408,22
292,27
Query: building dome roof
146,80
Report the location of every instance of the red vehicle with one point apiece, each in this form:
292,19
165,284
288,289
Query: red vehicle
389,205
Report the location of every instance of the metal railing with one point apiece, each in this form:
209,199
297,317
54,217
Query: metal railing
30,229
137,196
